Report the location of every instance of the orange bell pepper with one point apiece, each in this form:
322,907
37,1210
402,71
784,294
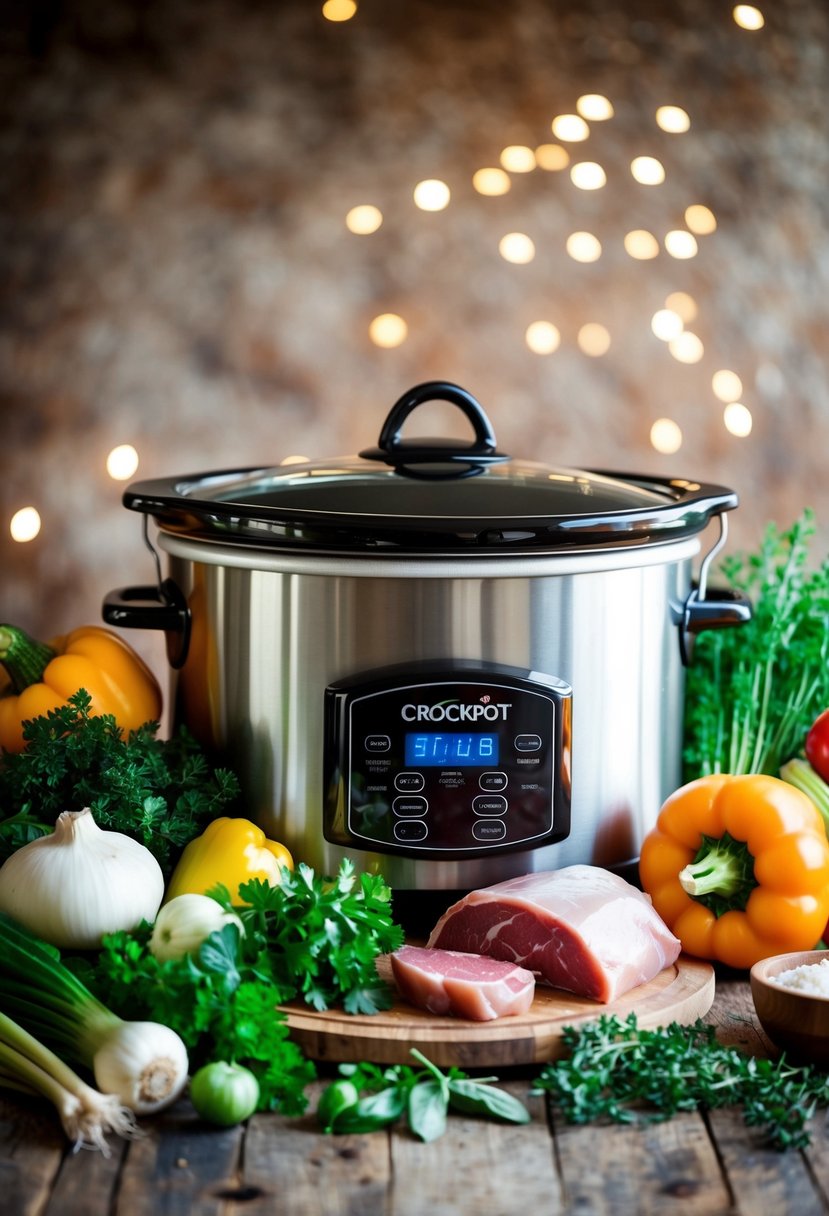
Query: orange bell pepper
738,868
41,677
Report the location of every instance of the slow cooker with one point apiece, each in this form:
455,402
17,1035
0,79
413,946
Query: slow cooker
448,665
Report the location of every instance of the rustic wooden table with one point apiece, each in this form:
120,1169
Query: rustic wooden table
695,1163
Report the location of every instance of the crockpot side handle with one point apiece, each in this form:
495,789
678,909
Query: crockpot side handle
153,607
720,608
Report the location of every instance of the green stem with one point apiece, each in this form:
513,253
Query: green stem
800,773
24,658
721,876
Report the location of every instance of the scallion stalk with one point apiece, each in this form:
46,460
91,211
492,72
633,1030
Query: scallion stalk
86,1115
144,1063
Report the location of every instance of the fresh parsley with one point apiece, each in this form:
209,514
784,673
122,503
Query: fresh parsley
312,938
161,792
753,691
621,1072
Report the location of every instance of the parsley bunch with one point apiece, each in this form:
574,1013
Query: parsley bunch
620,1072
161,792
311,938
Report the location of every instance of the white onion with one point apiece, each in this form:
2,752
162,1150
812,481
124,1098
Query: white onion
144,1063
74,886
185,922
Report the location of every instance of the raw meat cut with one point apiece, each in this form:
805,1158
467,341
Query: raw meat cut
580,928
464,985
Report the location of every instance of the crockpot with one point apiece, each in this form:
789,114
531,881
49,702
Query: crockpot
446,664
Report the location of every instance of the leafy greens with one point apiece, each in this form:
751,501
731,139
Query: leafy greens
753,691
161,792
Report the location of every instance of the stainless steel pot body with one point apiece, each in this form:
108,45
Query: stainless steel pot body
271,631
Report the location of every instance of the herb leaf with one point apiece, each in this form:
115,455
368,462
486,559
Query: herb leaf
618,1071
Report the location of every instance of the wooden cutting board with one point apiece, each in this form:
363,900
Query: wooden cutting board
680,993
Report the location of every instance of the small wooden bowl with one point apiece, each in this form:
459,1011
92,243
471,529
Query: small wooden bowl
797,1022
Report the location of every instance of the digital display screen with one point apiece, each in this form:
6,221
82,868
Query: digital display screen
452,750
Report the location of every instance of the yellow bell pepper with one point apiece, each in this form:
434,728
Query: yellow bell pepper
738,868
229,851
42,676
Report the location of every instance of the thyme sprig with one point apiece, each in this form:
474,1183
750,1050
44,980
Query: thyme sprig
626,1074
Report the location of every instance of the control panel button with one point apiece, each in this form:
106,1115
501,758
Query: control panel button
493,781
489,804
377,743
409,783
411,804
487,831
410,830
528,743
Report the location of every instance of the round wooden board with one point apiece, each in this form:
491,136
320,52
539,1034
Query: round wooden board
680,993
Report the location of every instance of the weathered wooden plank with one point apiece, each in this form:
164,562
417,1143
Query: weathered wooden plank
617,1169
87,1181
180,1167
763,1179
32,1147
478,1166
817,1154
290,1168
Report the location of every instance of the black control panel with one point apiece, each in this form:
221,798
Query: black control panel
448,760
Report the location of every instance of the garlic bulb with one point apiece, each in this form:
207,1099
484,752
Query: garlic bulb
74,886
185,922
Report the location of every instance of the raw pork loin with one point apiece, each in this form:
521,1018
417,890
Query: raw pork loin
465,985
581,928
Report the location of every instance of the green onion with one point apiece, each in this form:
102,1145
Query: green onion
144,1063
86,1114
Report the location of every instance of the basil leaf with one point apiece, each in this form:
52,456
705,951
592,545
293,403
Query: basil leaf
427,1109
475,1098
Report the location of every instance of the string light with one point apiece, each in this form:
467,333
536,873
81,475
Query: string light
542,337
666,324
666,437
748,17
552,157
516,247
727,385
431,195
571,128
673,119
584,247
587,175
686,347
593,339
518,158
388,330
682,304
122,462
647,170
491,181
641,244
681,244
364,219
595,107
737,419
339,10
700,219
24,524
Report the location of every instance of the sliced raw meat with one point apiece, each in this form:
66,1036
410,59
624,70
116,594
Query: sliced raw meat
581,928
463,985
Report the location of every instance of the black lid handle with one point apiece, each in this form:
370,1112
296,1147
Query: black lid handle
403,454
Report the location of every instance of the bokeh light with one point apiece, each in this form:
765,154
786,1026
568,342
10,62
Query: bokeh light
491,181
431,195
24,524
516,247
587,175
339,10
122,462
681,244
727,385
388,330
584,247
666,436
673,119
737,419
518,158
593,339
570,127
542,337
364,219
748,17
595,106
647,170
641,244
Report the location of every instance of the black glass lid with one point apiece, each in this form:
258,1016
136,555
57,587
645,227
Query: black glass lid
429,496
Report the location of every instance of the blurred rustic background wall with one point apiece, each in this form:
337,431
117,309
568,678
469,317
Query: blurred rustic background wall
179,276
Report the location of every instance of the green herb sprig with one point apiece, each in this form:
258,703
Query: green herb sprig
424,1095
161,792
753,691
618,1071
312,938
